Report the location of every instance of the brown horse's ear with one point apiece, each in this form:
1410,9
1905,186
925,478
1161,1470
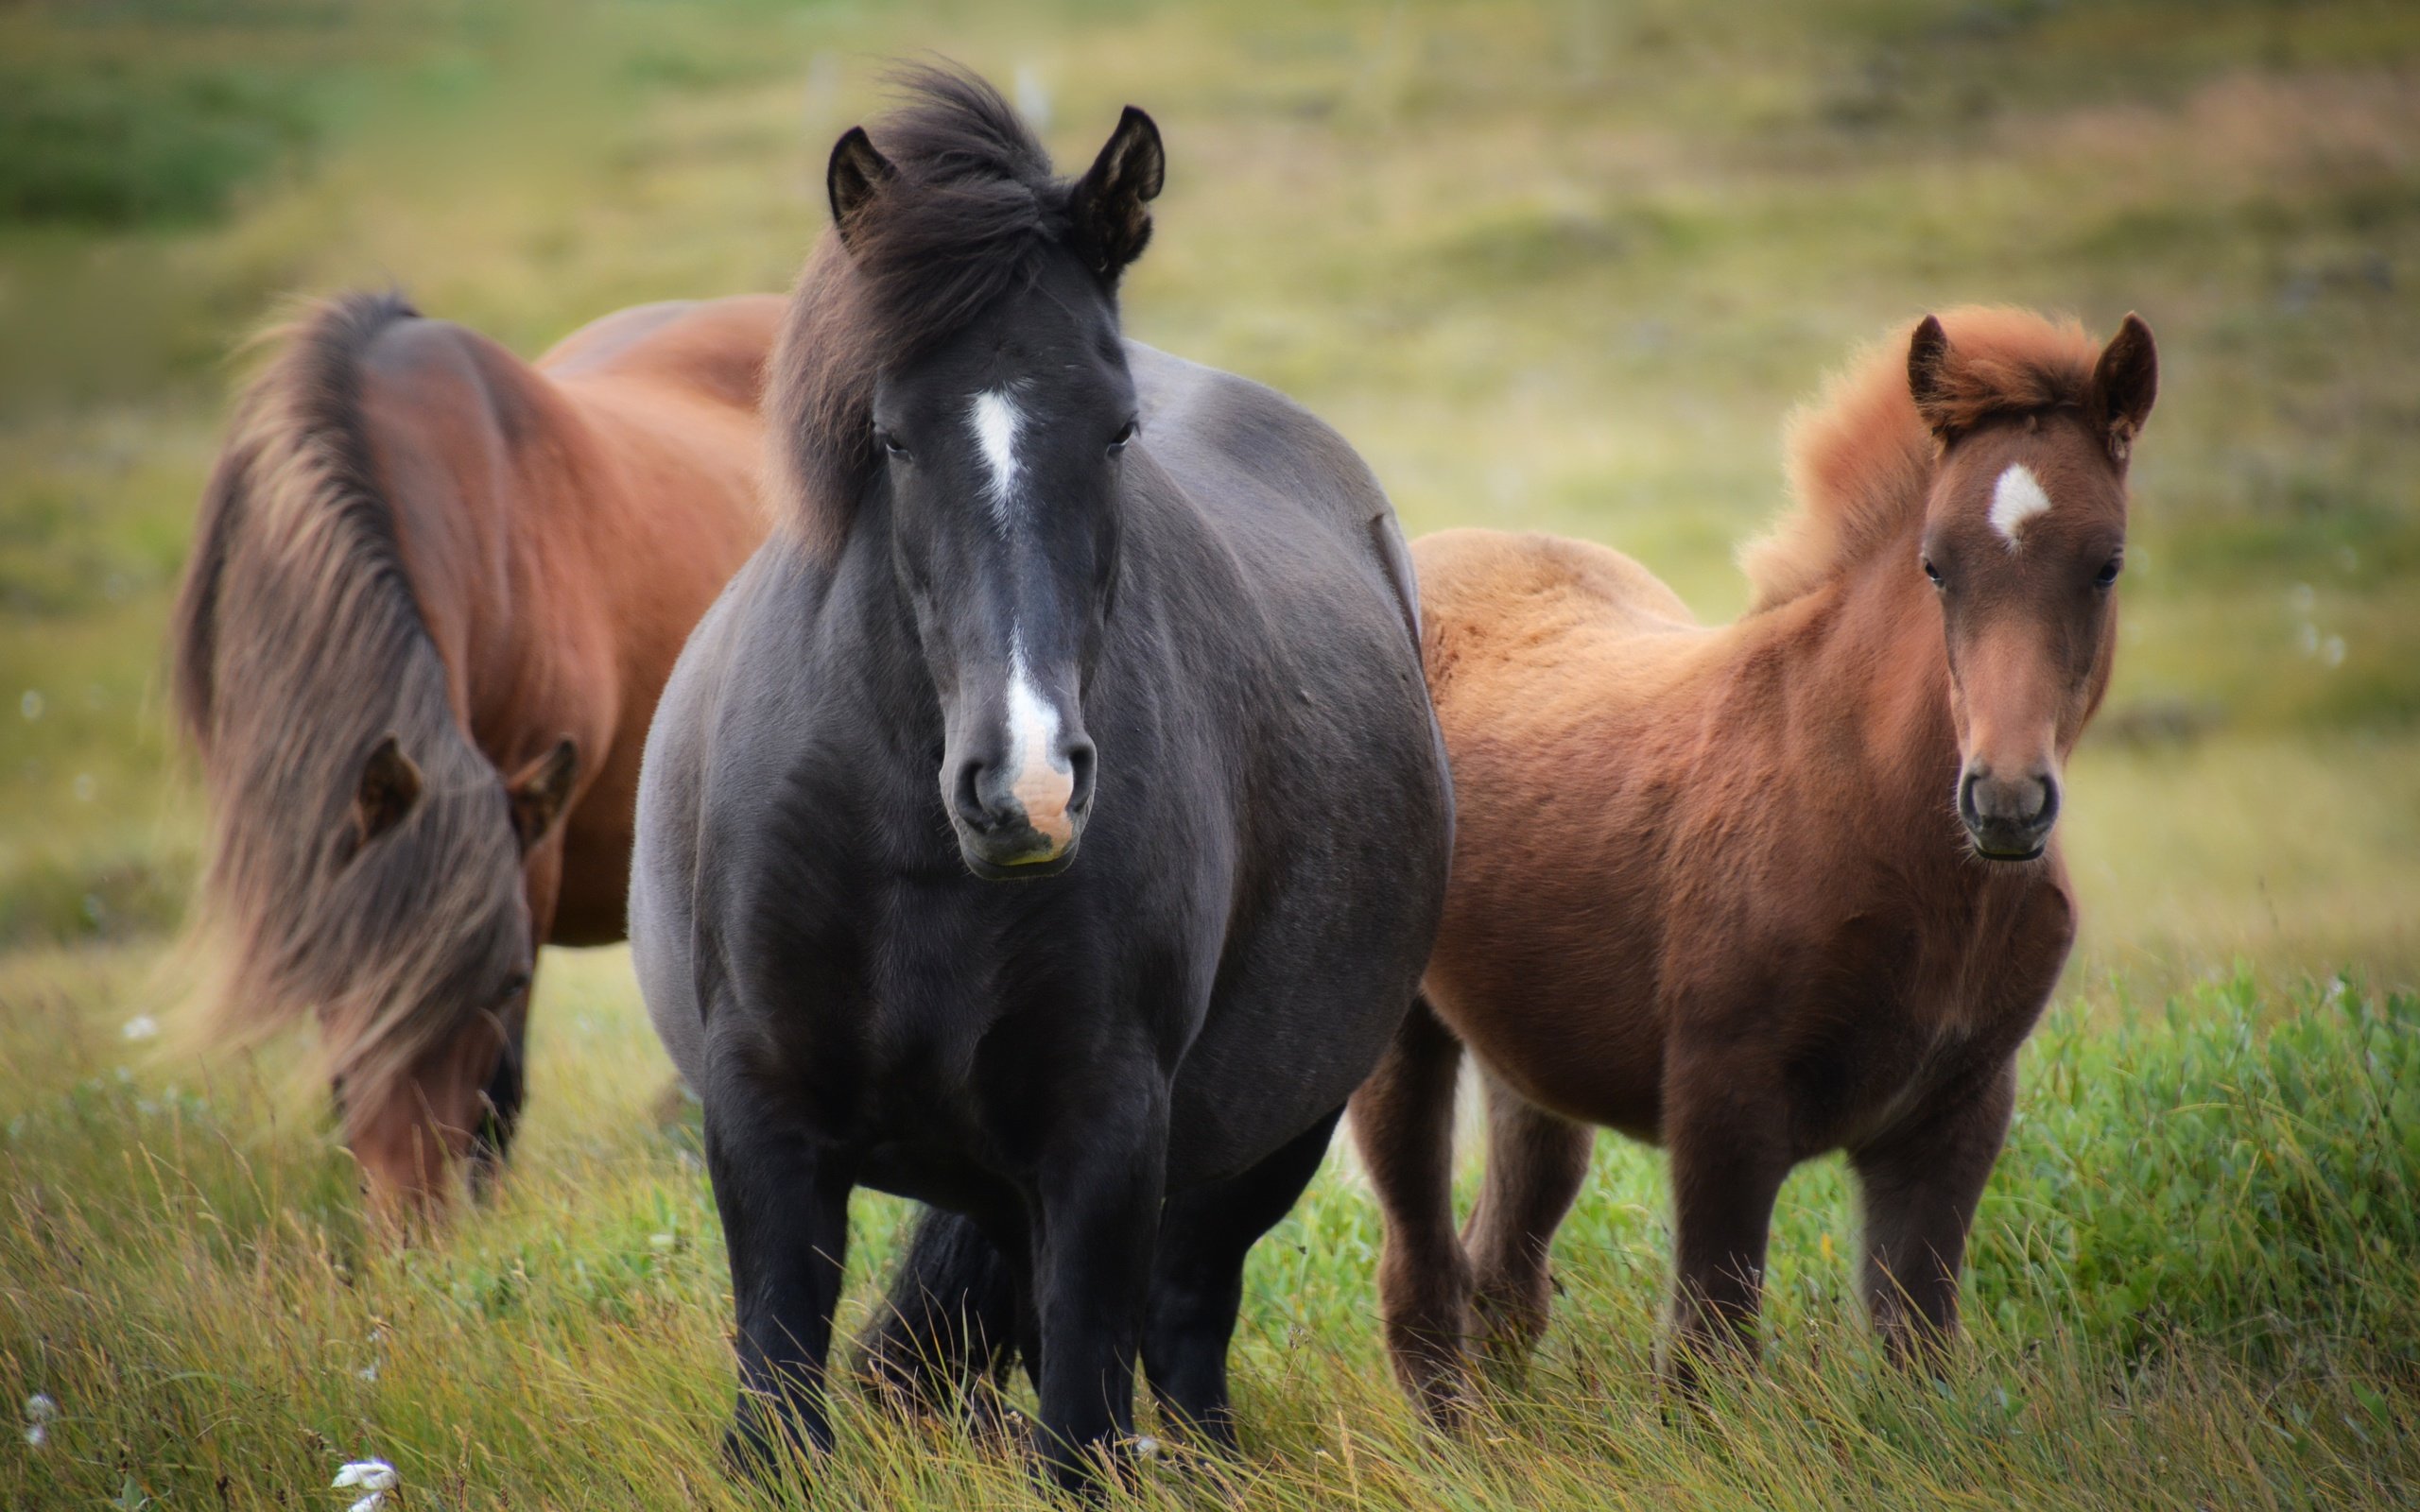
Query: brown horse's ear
2124,383
390,787
541,790
856,173
1929,375
1111,226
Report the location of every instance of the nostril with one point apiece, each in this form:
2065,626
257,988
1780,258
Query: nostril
2046,811
967,794
1967,808
1080,764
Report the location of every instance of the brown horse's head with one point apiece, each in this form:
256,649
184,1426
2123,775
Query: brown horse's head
2024,535
427,1061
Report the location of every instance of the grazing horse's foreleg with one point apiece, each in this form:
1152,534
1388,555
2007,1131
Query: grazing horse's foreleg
1100,1197
1536,1164
1198,1282
1728,1133
1403,1122
784,1203
1921,1184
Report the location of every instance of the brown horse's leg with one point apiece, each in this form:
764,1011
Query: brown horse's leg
1403,1122
1536,1162
1730,1155
1921,1185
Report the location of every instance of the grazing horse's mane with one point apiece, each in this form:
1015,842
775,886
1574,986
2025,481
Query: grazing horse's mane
298,644
984,208
1861,458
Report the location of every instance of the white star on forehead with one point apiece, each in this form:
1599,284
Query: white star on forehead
996,422
2017,498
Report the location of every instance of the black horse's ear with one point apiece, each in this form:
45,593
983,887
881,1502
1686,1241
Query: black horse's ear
857,172
390,787
540,791
1929,375
1111,226
2124,383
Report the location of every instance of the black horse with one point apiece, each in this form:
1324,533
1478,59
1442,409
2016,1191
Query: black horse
1042,594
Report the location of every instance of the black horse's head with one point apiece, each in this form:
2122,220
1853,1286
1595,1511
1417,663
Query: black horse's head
992,434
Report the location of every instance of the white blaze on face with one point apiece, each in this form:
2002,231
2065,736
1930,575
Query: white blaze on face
2017,498
996,422
1044,785
1040,781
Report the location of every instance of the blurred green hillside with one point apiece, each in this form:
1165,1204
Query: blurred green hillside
1563,265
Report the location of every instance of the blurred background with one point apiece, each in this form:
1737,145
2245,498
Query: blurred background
1563,265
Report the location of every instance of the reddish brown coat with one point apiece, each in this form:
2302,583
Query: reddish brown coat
1711,886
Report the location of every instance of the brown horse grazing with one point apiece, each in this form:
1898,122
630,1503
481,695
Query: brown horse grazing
433,597
1764,891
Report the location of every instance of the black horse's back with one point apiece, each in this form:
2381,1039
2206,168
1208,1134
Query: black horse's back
1050,824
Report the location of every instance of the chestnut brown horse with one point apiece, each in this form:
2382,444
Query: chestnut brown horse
1764,891
433,596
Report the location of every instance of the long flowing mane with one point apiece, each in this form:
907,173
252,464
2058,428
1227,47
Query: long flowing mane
1860,458
977,210
298,644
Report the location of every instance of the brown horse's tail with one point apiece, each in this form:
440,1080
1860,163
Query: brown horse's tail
300,650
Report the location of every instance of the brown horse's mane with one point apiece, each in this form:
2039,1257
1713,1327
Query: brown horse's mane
298,644
981,207
1861,458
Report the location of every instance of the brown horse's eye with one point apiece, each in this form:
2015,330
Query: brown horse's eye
1933,571
514,986
2108,573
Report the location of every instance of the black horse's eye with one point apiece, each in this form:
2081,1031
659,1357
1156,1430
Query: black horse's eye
1933,571
2108,573
1125,434
890,443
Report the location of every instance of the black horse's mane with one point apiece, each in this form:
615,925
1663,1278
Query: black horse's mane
972,213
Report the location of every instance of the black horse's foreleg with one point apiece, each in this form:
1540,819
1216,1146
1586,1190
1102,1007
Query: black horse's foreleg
785,1205
1092,1274
1197,1280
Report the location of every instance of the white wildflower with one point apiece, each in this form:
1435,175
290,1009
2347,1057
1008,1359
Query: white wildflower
2331,651
663,1243
141,1027
40,1411
375,1476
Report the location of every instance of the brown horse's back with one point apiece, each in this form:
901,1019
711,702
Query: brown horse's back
1544,655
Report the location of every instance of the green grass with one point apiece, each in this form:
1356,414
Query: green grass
1562,264
2195,1281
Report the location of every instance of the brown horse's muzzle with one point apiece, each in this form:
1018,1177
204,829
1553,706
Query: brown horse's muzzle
2008,817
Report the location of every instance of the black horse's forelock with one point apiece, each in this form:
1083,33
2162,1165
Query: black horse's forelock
972,213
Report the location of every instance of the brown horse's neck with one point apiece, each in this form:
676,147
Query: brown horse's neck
489,558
